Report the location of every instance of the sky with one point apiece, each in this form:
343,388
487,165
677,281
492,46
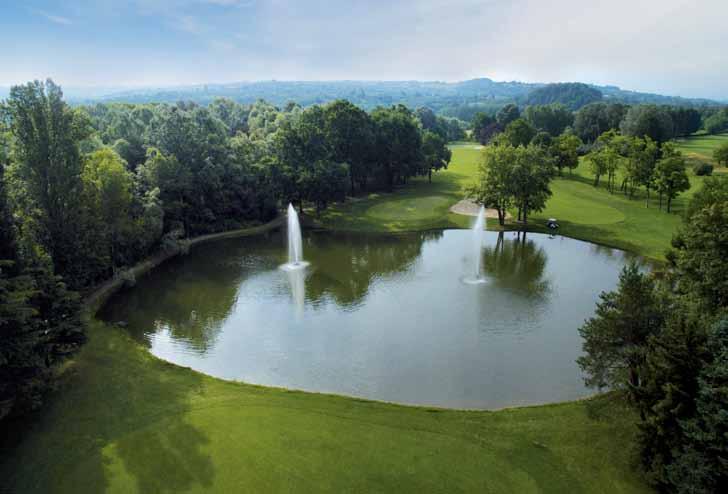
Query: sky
673,47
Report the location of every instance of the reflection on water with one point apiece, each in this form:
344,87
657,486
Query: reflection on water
517,264
380,316
297,282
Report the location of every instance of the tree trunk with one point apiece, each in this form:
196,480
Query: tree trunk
669,202
429,175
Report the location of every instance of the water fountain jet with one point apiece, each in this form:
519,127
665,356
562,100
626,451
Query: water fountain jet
478,232
295,242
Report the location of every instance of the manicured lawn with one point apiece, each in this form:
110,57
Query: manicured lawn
123,421
702,146
583,211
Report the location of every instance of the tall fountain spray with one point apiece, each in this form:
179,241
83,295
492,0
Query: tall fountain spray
295,243
478,232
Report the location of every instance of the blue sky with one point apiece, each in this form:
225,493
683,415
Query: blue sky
666,46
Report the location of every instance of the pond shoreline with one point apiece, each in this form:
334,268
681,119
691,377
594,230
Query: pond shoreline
98,296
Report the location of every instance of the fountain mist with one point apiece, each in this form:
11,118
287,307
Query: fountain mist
478,233
295,243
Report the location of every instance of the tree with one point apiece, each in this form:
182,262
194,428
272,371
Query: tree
671,178
435,153
350,134
507,114
701,245
173,180
685,120
48,166
642,154
700,466
398,144
494,186
484,127
519,132
574,95
530,180
717,123
565,151
39,319
107,187
323,182
553,119
674,359
594,119
542,140
648,120
603,161
721,154
615,339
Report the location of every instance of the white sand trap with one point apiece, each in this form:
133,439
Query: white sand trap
466,207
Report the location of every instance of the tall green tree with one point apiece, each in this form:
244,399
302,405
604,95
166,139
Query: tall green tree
493,188
615,339
507,114
47,168
435,153
671,178
720,154
350,134
519,132
565,149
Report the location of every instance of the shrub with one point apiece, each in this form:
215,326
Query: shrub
702,169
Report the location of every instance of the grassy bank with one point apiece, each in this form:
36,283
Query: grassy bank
124,421
702,146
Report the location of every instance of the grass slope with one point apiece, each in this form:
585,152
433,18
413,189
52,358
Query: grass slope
124,421
702,146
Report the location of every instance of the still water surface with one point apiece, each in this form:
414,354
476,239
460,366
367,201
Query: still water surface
380,316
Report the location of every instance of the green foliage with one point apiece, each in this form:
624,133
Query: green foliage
652,121
510,175
484,127
674,359
572,95
671,178
519,132
565,151
507,114
39,320
594,119
615,339
701,246
435,152
701,169
47,170
553,119
717,122
721,154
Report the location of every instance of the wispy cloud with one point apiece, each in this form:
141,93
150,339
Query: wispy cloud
57,19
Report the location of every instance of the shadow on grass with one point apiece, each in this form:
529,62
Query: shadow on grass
117,410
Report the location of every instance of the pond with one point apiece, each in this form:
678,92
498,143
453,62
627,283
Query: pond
380,316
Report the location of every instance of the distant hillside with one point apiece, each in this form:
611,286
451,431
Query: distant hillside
457,99
573,95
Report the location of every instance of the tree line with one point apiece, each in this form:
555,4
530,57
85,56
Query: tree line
659,123
87,191
662,344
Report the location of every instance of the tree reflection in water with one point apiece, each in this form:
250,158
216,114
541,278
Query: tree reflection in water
518,265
